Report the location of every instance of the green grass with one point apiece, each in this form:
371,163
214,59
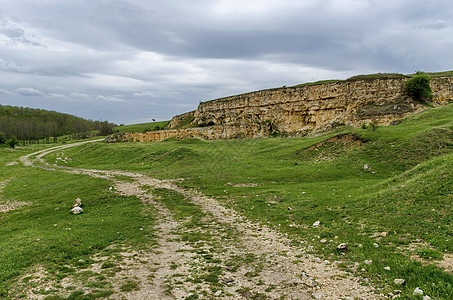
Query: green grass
407,191
44,233
143,127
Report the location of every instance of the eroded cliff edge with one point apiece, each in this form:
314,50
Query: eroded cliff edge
299,110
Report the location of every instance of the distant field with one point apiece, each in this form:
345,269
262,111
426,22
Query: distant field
142,127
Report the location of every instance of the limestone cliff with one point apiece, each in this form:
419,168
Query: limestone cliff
299,110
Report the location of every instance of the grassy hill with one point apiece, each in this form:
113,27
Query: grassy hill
385,191
142,127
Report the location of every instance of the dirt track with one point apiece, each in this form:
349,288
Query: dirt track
236,259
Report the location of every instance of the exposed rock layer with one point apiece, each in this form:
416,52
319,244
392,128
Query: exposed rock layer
298,110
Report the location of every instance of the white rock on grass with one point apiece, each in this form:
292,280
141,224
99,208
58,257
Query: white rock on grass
426,297
418,291
368,262
342,247
77,202
77,210
399,281
317,224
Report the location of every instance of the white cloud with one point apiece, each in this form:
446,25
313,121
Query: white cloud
2,91
28,91
143,94
81,96
116,98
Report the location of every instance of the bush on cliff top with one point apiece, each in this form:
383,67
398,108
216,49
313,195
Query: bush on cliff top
418,87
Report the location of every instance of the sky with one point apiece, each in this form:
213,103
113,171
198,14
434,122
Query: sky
131,61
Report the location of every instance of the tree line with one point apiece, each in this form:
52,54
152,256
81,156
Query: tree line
30,125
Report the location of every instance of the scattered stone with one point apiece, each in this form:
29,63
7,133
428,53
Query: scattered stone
342,247
399,281
384,234
289,208
387,268
312,283
318,295
323,241
77,202
417,241
294,281
360,245
376,245
317,224
348,298
77,210
336,237
227,280
418,291
366,167
368,262
398,291
426,297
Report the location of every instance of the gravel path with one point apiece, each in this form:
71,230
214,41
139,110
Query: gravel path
232,257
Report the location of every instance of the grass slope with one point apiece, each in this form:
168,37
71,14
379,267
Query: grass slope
406,191
142,127
42,233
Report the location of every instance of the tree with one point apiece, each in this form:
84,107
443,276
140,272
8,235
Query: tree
418,87
12,141
2,138
106,128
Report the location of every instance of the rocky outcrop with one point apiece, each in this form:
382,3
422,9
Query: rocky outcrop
298,110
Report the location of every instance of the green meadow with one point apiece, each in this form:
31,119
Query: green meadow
385,191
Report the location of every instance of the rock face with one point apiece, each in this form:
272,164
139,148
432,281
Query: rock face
298,110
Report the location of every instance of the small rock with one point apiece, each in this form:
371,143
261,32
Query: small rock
398,291
289,208
76,203
360,245
366,167
318,295
323,241
336,237
77,210
376,245
368,262
387,268
399,281
227,280
418,291
317,224
426,297
348,298
384,234
417,241
342,247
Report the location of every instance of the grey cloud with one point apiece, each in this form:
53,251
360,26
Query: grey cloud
165,56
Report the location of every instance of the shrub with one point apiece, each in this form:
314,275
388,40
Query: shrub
418,87
2,138
12,142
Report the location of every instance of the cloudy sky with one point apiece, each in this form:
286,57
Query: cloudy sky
129,61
